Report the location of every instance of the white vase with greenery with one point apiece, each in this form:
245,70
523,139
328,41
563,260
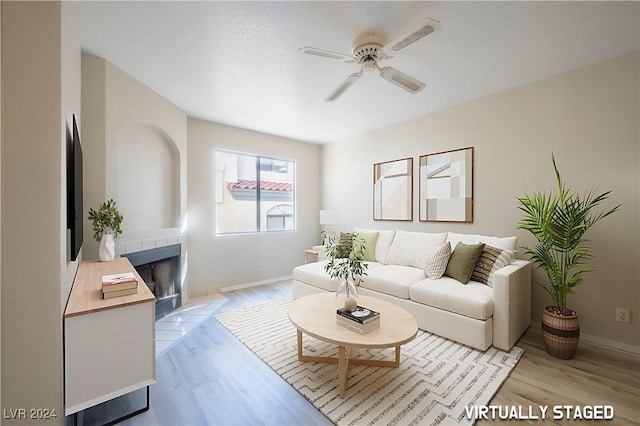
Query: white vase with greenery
346,261
107,248
106,227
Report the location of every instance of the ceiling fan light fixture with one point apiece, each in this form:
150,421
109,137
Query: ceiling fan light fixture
370,48
369,66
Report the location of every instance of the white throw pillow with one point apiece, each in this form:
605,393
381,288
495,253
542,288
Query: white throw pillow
412,248
505,243
436,262
385,239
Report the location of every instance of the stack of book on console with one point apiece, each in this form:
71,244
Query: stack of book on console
362,320
119,285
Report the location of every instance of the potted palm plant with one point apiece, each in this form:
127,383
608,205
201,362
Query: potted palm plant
106,226
559,223
346,261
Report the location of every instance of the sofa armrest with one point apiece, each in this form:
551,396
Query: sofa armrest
511,303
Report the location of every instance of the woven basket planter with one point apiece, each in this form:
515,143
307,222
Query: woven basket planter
561,334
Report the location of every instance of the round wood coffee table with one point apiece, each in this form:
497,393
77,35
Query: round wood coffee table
315,315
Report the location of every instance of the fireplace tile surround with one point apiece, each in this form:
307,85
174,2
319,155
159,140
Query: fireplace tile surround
133,246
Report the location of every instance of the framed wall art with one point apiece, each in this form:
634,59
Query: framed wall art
393,190
446,186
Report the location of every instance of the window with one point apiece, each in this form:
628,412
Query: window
253,193
276,166
280,218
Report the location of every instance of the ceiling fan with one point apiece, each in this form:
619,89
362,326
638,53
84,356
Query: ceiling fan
369,49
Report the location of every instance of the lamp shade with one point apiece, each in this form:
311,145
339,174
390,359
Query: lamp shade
327,217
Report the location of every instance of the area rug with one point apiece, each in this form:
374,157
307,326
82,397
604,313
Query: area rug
436,380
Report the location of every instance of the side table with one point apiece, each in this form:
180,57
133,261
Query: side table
310,254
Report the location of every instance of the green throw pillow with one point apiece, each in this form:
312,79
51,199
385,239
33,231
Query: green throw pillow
462,261
370,240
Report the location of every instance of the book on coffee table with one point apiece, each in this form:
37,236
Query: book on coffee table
360,315
356,326
362,320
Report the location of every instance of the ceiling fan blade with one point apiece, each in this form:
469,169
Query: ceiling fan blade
348,82
401,79
416,33
327,54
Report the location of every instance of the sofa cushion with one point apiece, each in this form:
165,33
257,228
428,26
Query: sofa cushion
315,275
455,238
491,259
369,239
392,279
473,300
437,261
385,238
462,261
504,243
413,248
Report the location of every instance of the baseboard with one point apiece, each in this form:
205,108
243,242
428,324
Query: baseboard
608,343
256,283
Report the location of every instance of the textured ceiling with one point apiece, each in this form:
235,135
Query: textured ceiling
237,63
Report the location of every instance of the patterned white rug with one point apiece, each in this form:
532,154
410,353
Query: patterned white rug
436,380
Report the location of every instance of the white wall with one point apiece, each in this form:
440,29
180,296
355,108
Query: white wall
135,151
588,117
149,181
40,92
0,204
70,104
135,146
218,262
132,108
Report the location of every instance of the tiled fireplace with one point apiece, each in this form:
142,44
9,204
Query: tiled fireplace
160,269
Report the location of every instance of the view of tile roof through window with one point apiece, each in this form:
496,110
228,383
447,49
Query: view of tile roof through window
264,185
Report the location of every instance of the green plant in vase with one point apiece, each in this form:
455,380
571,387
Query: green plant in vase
346,261
559,222
106,226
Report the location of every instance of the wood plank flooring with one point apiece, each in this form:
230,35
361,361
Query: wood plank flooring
210,378
596,376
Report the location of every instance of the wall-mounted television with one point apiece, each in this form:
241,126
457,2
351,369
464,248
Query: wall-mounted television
74,191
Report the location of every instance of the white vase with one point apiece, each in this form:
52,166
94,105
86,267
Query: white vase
107,248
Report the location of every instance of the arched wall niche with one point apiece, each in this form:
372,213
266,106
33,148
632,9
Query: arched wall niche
148,176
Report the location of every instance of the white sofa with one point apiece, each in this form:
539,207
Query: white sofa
475,314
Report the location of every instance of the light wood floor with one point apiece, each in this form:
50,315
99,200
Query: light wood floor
210,378
596,376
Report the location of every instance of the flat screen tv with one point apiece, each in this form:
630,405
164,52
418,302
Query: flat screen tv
74,192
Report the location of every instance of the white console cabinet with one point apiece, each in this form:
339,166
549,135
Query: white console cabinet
109,344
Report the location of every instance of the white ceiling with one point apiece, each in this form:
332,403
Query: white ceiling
237,63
